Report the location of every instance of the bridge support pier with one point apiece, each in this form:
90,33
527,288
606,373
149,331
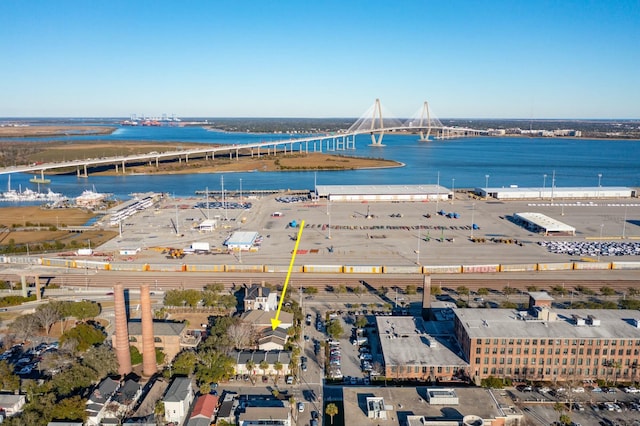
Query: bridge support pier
38,295
124,170
157,162
23,282
237,154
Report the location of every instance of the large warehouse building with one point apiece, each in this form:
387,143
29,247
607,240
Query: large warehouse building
383,192
555,193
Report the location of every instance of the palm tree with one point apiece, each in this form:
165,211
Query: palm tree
251,367
278,367
263,366
331,410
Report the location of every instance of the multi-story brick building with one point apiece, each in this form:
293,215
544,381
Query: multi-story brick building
542,344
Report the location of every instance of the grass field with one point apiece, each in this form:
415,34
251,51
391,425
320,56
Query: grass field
35,226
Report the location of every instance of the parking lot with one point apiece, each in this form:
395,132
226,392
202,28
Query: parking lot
606,406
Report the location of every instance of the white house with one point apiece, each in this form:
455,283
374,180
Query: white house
12,404
177,400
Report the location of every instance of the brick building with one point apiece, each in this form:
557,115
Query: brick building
540,344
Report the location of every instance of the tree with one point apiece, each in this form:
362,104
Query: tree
435,291
80,310
47,315
70,409
25,326
565,419
278,367
334,329
508,291
8,380
310,290
72,379
86,336
251,368
215,287
462,290
184,363
101,359
633,291
341,289
483,291
263,366
607,291
214,366
331,410
411,289
358,290
361,321
240,334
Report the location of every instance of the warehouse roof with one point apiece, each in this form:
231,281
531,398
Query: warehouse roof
405,341
324,190
507,323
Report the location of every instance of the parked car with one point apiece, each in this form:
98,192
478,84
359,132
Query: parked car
300,407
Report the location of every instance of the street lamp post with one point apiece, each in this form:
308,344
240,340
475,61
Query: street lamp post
600,241
599,180
418,250
473,210
437,192
453,189
486,186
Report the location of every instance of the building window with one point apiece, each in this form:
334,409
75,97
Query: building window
477,350
477,362
485,371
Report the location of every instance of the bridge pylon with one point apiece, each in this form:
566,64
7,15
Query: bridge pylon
425,113
377,114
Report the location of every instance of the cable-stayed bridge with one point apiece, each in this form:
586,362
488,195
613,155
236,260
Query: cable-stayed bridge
376,121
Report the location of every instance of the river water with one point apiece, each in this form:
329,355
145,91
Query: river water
458,163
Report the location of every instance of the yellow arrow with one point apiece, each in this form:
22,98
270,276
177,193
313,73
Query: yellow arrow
275,322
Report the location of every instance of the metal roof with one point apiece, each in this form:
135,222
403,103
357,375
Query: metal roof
545,222
324,190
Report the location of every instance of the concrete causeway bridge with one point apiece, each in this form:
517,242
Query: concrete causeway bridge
374,122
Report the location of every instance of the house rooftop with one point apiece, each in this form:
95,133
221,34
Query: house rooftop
160,328
178,389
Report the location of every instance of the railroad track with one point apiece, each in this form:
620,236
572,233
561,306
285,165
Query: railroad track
166,281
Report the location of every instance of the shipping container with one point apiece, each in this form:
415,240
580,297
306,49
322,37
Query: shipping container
444,269
555,266
329,269
475,269
591,266
362,269
281,268
402,269
243,268
205,268
520,267
625,265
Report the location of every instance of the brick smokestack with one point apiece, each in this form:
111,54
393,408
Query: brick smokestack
149,366
122,333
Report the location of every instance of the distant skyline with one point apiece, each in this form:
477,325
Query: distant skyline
550,59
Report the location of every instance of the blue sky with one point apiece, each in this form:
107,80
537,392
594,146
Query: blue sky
502,59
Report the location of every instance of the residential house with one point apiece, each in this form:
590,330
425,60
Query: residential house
126,397
11,404
259,297
260,321
280,416
177,400
273,340
99,400
270,357
203,411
